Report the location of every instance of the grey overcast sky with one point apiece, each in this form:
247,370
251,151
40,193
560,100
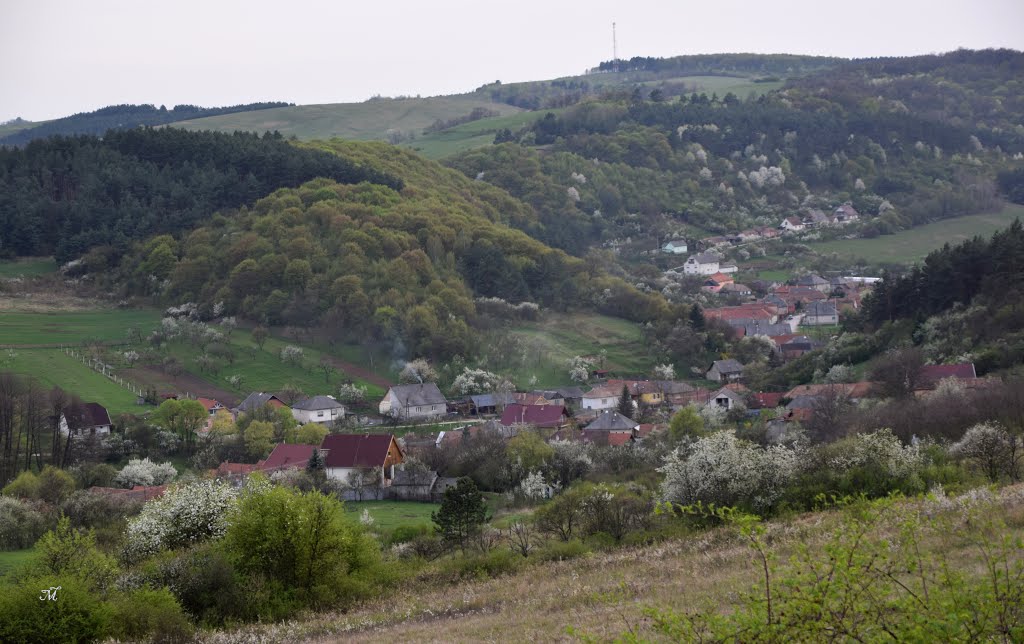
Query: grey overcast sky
58,57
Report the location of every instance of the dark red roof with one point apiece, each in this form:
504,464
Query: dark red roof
95,415
932,374
539,415
288,456
767,400
235,469
356,450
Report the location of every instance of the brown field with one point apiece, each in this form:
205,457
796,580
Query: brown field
601,596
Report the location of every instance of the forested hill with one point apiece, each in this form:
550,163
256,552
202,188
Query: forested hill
120,117
779,65
63,196
905,141
369,261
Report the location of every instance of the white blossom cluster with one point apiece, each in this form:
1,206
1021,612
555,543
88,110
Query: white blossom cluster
578,177
185,514
292,354
725,470
984,441
771,176
145,472
884,450
475,381
579,369
533,486
573,193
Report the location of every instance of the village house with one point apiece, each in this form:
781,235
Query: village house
742,315
929,376
647,392
820,314
727,399
541,416
736,290
845,214
714,283
409,402
853,391
318,409
287,456
345,454
702,264
611,428
792,225
816,282
675,247
87,419
817,219
602,397
725,370
256,400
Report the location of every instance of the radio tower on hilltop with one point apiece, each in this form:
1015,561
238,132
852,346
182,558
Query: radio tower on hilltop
615,49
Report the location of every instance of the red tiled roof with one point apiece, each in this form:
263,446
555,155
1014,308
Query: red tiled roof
930,375
852,390
209,403
539,415
235,469
288,456
357,450
604,437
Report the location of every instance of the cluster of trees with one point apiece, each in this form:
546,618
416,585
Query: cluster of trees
122,117
66,195
367,261
716,64
723,163
475,115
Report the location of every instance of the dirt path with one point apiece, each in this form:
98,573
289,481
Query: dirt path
359,372
185,383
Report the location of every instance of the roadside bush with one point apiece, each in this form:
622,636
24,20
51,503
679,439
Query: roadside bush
21,523
149,614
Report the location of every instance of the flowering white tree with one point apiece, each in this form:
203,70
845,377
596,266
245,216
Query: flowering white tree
474,381
145,472
533,486
993,449
184,515
292,355
881,449
725,470
840,373
579,369
665,372
350,393
417,371
570,462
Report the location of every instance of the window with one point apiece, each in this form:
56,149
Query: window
433,408
319,414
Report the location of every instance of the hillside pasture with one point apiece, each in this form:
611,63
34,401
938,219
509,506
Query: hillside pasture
551,342
27,267
367,121
54,368
911,246
475,134
72,327
388,515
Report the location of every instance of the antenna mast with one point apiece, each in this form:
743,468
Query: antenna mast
615,46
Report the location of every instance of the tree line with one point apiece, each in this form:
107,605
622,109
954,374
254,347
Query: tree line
65,195
119,117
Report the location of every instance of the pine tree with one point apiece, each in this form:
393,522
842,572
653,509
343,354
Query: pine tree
462,514
626,403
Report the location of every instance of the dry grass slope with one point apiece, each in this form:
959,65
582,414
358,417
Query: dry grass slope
601,595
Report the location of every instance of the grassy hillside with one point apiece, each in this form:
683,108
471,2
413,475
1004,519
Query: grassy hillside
605,595
17,126
27,267
367,121
551,342
910,246
475,134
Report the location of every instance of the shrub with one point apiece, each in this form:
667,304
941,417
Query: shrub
495,563
55,484
204,581
95,475
406,533
77,615
319,562
562,550
21,524
992,449
25,486
92,510
149,614
68,552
